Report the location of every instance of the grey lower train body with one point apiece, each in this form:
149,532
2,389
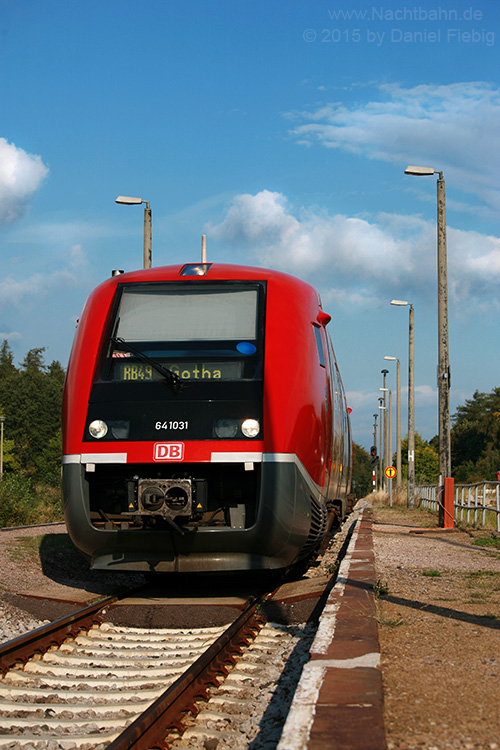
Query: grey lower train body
290,522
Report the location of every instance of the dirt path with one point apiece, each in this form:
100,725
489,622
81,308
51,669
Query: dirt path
439,629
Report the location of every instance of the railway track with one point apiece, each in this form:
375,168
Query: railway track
81,683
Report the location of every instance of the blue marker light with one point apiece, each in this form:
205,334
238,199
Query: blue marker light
245,347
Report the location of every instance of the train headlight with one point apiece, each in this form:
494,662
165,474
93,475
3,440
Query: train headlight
226,428
250,428
98,428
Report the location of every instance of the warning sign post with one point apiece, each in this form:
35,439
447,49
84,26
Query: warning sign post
390,473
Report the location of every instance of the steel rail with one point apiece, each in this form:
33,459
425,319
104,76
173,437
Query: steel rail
150,728
32,526
39,640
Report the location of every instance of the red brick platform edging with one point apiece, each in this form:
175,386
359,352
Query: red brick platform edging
339,699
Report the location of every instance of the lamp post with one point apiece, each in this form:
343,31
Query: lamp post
381,462
398,421
2,420
411,405
383,441
374,462
126,201
443,374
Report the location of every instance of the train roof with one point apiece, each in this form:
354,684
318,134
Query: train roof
206,270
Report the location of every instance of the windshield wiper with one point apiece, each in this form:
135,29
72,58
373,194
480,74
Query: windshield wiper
171,377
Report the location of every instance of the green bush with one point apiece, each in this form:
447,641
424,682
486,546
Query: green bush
24,502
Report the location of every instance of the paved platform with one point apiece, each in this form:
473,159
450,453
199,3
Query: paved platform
339,699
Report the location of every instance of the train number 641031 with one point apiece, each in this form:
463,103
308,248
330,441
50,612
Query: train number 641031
172,425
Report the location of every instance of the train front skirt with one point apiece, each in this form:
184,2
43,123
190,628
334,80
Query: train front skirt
285,525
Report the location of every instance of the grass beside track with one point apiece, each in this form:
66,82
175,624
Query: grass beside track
23,501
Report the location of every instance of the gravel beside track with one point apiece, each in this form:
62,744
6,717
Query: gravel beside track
14,622
16,574
29,568
250,706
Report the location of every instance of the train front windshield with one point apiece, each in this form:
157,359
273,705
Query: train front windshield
198,331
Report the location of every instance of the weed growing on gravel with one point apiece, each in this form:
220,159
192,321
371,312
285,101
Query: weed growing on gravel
476,596
489,542
390,622
380,588
481,573
475,577
332,568
483,585
431,573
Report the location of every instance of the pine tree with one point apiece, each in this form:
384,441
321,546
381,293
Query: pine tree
7,367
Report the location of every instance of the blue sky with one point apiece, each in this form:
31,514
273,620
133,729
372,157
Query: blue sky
280,130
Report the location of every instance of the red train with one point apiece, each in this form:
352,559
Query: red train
205,423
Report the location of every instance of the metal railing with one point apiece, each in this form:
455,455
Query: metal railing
474,503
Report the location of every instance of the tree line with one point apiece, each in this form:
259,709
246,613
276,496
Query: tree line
30,402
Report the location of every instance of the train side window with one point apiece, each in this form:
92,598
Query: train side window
319,344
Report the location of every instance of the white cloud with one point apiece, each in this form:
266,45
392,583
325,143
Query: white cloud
10,336
27,290
64,233
21,176
425,395
30,290
356,260
429,124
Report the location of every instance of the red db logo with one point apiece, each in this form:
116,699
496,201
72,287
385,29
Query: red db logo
168,452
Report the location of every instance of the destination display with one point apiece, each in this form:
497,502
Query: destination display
141,371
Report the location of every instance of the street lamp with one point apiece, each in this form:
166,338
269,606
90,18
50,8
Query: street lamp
126,201
374,462
398,421
443,352
411,405
387,425
381,440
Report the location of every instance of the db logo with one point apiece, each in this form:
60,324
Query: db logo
168,451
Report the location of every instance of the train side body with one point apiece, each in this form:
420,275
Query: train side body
219,437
